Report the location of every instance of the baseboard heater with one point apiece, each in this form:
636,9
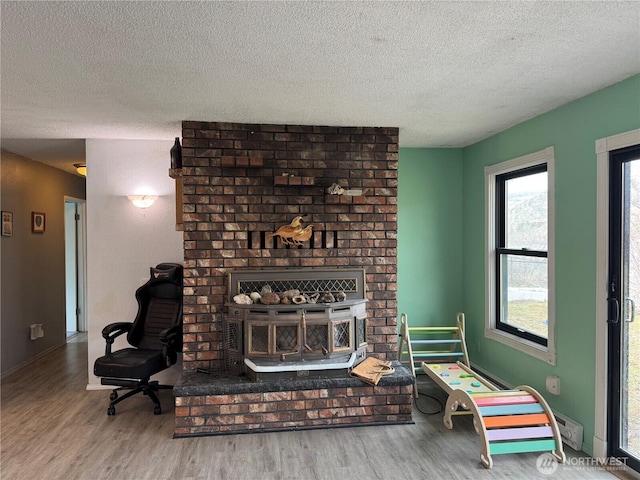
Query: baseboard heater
570,431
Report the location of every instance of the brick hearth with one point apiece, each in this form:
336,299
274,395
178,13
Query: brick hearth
241,181
215,406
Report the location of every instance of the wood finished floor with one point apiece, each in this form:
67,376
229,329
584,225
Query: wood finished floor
53,428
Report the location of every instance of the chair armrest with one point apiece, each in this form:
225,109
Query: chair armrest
171,339
114,330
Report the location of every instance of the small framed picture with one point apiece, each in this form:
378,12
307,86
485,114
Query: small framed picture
7,224
37,222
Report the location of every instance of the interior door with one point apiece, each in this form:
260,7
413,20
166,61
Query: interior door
623,297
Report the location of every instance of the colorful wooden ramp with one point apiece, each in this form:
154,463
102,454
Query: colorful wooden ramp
509,421
457,376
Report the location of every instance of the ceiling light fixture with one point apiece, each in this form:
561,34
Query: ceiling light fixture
142,201
81,168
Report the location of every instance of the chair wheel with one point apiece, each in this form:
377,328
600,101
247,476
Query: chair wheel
113,396
157,410
111,410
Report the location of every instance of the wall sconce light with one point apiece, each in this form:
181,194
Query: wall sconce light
142,201
81,169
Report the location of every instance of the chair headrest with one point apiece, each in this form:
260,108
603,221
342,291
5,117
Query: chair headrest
166,272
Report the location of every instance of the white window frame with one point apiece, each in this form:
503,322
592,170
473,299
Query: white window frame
548,353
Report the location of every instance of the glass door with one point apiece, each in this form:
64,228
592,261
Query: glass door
623,297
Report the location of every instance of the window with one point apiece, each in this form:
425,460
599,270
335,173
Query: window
519,255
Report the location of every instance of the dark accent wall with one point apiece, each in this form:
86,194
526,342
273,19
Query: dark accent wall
33,265
244,180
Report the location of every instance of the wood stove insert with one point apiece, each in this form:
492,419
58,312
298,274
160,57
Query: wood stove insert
288,341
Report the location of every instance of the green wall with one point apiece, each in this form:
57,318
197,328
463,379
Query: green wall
572,129
441,240
430,235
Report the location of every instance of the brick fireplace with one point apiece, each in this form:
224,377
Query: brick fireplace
243,181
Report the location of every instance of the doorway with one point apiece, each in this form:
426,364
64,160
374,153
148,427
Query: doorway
623,294
75,266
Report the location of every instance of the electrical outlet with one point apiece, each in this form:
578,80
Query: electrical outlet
553,384
36,331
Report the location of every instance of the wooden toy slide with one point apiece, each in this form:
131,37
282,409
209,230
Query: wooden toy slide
457,376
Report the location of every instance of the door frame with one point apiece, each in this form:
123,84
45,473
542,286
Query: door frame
81,260
603,147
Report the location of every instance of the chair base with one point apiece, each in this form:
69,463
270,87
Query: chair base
134,387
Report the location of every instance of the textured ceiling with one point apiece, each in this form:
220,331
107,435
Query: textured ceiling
447,73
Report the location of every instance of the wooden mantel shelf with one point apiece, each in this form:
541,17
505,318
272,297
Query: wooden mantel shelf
176,174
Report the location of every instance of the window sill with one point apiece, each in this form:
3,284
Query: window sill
546,354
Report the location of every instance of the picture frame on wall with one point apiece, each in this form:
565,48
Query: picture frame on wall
37,222
7,224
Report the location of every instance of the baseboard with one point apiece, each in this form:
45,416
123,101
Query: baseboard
600,448
492,378
98,386
31,360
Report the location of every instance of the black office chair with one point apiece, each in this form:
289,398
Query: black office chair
155,335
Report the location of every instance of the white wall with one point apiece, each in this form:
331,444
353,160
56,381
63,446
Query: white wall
123,241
